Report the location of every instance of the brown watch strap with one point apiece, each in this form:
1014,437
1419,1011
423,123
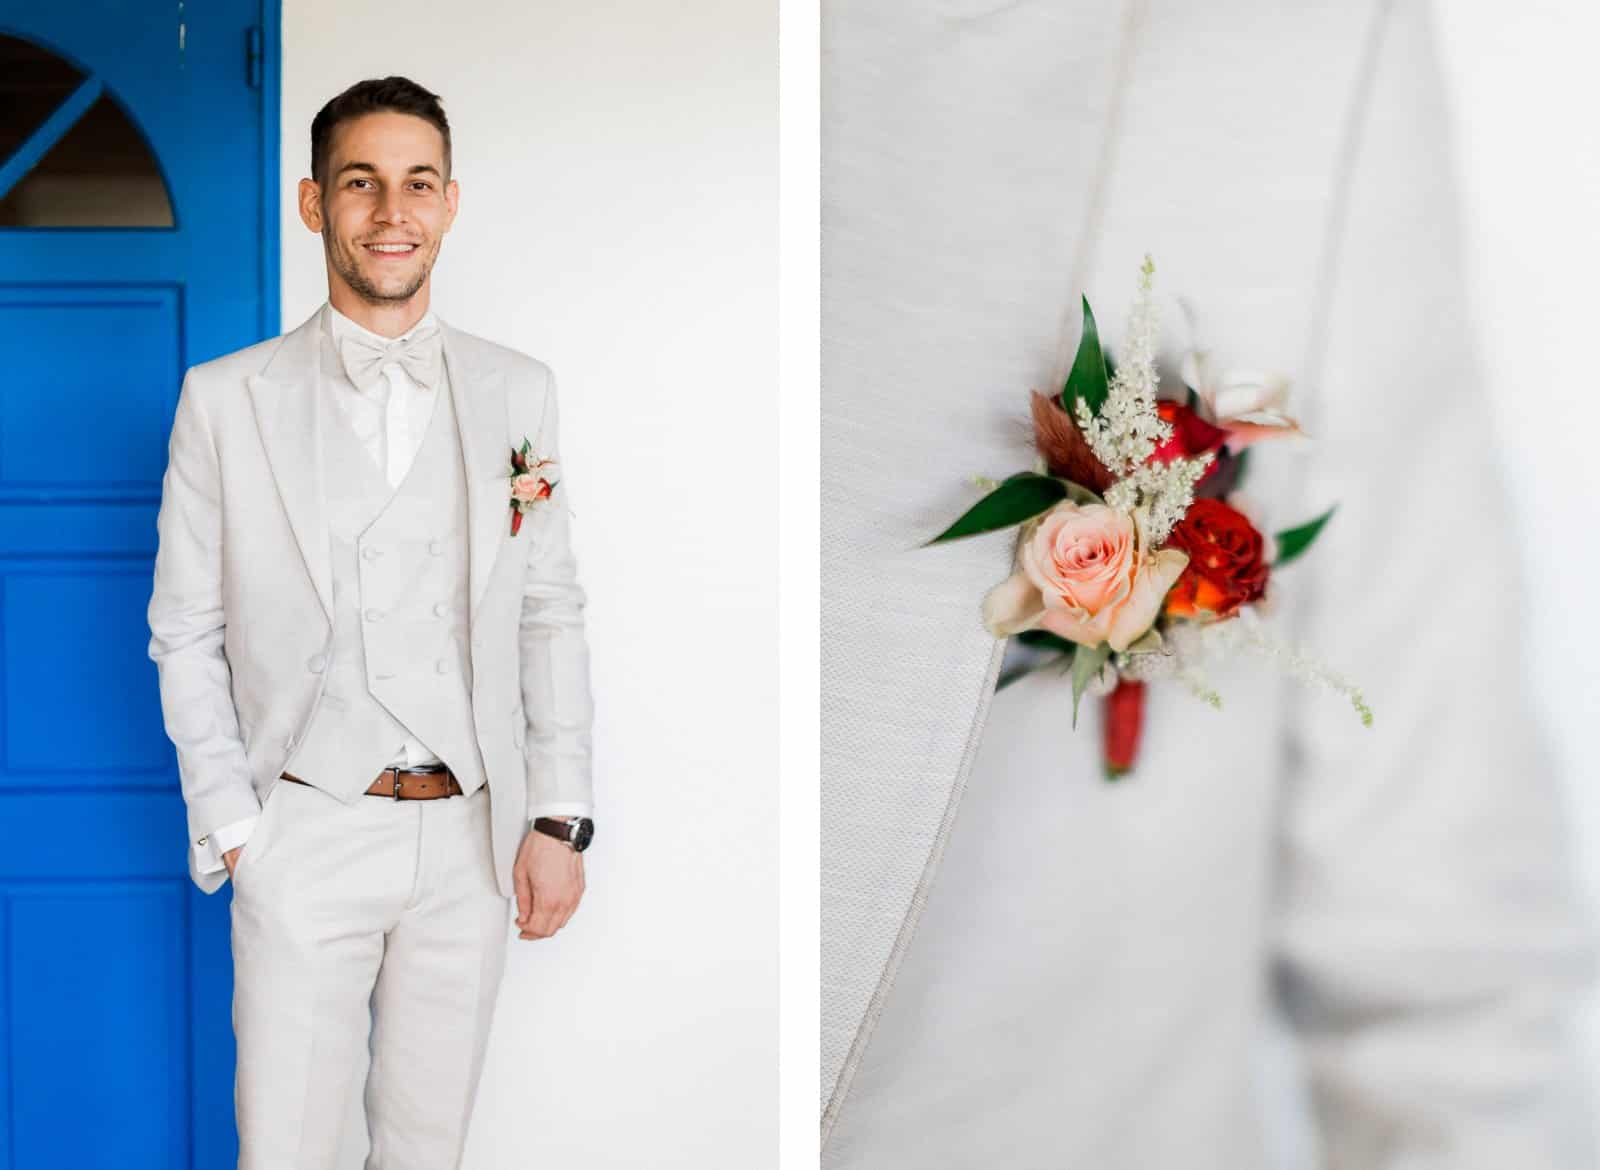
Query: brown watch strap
553,827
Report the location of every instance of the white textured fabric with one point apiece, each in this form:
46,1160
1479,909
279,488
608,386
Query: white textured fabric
350,918
1100,968
942,235
241,600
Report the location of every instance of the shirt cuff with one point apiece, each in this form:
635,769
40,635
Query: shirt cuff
561,808
208,856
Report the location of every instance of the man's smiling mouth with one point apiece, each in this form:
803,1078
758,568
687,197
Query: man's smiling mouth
391,249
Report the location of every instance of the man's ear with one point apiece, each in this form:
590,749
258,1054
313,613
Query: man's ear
310,196
452,200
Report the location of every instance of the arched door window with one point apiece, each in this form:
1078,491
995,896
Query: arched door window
73,157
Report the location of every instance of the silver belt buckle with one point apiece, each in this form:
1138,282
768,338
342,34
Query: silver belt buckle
397,783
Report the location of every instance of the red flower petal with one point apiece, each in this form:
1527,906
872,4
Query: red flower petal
1191,436
1227,565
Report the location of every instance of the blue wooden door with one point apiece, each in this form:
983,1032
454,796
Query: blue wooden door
138,235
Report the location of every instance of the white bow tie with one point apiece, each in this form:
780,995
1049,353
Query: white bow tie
421,356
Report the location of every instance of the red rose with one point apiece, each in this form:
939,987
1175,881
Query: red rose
1191,436
1227,565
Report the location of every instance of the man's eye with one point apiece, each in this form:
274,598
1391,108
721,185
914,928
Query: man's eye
423,185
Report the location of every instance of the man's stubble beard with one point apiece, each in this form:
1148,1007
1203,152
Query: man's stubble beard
350,272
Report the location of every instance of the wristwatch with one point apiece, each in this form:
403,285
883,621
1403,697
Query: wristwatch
577,832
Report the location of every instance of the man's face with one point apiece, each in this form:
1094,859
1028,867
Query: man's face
384,207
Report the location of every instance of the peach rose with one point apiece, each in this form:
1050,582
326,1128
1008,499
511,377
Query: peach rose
529,487
1085,575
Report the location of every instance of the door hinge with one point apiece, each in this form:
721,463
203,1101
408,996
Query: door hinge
252,56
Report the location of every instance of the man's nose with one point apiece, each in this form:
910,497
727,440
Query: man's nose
391,207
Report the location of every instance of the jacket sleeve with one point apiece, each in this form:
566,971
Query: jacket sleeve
186,632
554,656
1431,946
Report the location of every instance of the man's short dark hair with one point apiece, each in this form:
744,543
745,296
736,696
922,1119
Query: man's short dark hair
399,95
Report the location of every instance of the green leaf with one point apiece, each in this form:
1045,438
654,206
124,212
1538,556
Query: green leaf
1079,494
1076,492
1062,660
1294,541
1087,382
1014,501
1046,640
1040,640
1148,642
1086,663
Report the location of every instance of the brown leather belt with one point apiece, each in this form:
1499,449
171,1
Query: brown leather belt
407,783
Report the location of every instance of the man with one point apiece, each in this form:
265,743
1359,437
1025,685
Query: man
369,634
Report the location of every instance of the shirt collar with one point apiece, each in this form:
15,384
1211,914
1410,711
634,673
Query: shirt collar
342,324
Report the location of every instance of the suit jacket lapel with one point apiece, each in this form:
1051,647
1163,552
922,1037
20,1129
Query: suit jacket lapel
285,396
478,393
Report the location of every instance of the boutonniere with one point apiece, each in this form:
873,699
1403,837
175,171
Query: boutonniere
1136,557
530,480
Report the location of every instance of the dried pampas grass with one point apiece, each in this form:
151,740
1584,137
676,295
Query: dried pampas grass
1066,453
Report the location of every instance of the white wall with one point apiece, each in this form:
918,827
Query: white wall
617,163
1526,93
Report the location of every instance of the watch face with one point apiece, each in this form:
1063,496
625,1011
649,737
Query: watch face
582,834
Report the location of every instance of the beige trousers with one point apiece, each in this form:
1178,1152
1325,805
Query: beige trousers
374,924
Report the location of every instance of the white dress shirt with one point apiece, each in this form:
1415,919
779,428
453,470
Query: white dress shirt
390,419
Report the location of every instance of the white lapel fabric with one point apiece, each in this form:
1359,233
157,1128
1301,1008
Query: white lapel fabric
478,390
284,396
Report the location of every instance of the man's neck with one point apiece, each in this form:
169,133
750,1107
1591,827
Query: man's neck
386,320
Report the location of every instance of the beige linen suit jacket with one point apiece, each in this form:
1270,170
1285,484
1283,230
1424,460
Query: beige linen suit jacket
242,599
1287,940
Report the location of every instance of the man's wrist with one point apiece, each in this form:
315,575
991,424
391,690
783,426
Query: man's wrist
574,831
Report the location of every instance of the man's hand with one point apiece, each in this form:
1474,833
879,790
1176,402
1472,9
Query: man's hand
548,876
231,858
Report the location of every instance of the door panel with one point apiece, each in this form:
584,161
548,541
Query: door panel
137,237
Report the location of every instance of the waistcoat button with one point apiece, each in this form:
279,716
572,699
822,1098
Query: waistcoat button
440,609
371,553
316,663
442,666
373,615
435,547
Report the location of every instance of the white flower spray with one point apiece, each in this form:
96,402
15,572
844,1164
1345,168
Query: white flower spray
1127,430
1255,636
1187,645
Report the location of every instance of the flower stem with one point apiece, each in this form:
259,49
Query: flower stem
1123,727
